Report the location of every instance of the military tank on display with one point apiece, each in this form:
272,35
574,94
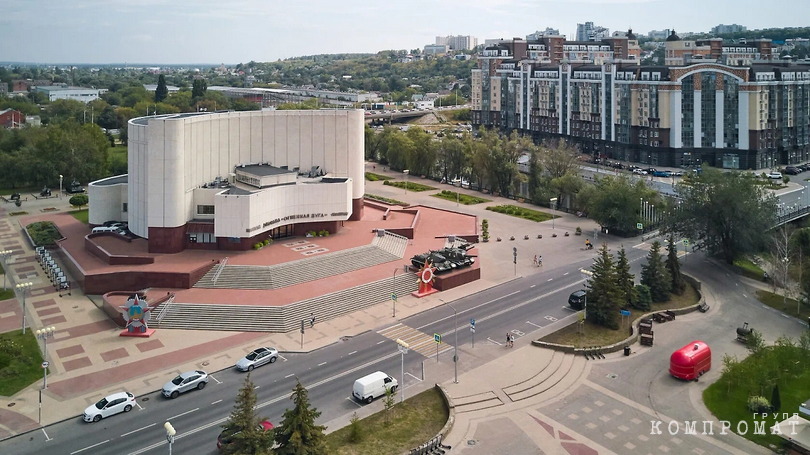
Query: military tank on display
446,259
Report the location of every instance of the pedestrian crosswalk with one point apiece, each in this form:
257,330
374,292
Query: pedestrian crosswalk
648,244
417,341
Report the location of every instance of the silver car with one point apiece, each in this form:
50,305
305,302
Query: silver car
183,383
257,358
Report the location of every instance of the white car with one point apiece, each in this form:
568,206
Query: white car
639,172
257,358
109,405
184,382
774,175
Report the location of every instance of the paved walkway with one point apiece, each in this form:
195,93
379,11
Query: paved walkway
88,358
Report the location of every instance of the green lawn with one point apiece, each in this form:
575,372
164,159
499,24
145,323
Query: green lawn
20,361
727,398
520,212
416,187
788,306
119,150
81,215
372,177
8,293
749,269
462,198
412,423
387,200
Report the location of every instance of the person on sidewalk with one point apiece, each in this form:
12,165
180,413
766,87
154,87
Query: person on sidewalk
539,261
311,320
535,260
508,338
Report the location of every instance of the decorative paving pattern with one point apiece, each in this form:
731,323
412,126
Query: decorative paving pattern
149,345
67,352
81,362
115,354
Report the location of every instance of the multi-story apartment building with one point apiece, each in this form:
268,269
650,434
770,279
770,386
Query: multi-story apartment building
658,34
590,32
457,43
733,28
738,113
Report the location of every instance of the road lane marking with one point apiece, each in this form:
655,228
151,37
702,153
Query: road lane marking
139,429
353,352
381,342
736,284
218,401
215,379
640,244
551,279
282,357
413,376
745,296
46,435
289,375
181,415
566,273
139,406
322,364
355,402
532,323
493,341
532,285
256,387
469,309
90,447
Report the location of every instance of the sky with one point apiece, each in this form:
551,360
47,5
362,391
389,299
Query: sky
234,31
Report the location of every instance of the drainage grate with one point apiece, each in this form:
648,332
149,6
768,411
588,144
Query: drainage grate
471,442
613,375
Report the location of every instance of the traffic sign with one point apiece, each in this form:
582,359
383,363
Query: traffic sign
437,338
625,313
394,297
639,226
685,242
472,322
45,364
472,329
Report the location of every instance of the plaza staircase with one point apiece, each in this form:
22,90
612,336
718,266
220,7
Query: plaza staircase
386,248
555,377
280,319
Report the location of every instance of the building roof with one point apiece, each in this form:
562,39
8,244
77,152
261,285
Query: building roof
673,37
117,180
264,170
630,34
56,88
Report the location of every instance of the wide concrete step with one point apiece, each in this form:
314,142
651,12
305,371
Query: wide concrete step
559,375
252,318
538,378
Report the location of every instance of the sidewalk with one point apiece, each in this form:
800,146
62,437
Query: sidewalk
88,359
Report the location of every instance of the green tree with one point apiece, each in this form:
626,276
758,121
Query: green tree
162,91
297,433
372,143
655,274
776,399
198,88
246,434
614,202
79,200
241,104
356,433
644,300
389,401
726,212
625,279
535,178
674,267
603,294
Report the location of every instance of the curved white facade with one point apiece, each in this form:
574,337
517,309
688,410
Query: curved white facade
170,156
109,198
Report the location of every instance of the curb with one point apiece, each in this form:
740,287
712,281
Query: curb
632,339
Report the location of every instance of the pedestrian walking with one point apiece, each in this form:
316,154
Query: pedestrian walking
508,338
511,340
311,320
539,261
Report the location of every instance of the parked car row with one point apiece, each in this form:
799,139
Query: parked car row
655,172
117,227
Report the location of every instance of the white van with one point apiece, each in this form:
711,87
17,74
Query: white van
96,230
372,386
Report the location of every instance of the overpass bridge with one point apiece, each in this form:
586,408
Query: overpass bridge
401,115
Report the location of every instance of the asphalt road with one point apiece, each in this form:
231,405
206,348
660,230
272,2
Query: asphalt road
521,306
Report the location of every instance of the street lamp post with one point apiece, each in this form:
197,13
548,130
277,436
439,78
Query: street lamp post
44,334
4,257
455,333
170,432
406,171
60,185
393,287
553,203
22,287
403,349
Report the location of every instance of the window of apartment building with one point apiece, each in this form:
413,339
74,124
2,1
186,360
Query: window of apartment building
205,210
125,207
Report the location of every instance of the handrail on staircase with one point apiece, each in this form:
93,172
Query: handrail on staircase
165,308
219,270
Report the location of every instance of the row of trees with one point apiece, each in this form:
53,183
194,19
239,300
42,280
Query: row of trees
612,287
296,434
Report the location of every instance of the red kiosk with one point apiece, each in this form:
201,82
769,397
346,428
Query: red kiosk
691,361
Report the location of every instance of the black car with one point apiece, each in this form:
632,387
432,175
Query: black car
792,170
577,299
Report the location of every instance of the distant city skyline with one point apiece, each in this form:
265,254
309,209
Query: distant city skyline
212,32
